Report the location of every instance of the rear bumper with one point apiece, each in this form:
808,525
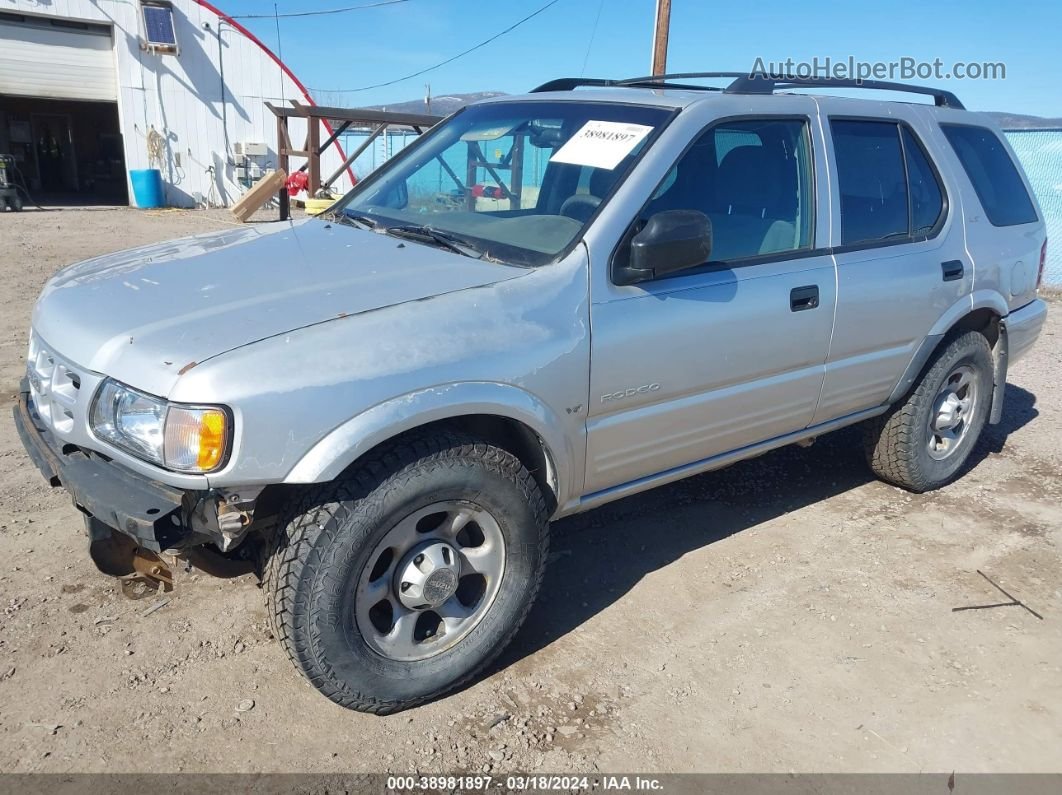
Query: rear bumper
1023,327
147,511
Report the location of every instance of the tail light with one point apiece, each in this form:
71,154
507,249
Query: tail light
1043,261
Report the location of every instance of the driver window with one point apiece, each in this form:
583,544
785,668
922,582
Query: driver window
752,178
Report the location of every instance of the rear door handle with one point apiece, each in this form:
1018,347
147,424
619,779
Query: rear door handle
952,270
801,298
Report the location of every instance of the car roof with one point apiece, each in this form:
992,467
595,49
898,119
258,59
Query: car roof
685,89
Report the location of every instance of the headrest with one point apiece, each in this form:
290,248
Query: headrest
749,177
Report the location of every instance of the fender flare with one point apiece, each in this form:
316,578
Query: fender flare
981,299
349,441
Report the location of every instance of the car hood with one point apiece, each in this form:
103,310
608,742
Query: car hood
146,315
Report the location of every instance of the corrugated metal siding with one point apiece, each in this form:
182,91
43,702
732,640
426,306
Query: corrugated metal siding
1040,153
182,96
60,63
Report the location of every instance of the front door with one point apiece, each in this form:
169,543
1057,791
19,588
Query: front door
732,353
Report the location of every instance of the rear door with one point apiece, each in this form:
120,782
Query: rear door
901,258
729,354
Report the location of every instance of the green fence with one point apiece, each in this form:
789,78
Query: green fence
1040,153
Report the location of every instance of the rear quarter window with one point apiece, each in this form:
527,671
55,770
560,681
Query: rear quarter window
994,176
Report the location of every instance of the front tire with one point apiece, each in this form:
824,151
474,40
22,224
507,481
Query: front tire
405,579
923,442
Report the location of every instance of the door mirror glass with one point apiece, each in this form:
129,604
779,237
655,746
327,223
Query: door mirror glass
670,241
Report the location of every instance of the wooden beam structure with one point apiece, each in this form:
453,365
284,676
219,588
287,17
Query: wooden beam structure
373,122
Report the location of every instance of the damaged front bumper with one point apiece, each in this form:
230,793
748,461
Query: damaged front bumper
153,515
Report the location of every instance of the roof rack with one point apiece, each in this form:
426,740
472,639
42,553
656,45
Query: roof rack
570,83
768,84
746,83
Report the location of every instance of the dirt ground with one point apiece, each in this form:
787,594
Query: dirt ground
787,614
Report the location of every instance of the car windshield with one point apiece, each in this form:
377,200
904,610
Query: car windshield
509,181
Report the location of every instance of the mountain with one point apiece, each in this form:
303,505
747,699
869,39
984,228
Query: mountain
440,106
1018,121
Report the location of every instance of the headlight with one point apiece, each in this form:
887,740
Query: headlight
184,438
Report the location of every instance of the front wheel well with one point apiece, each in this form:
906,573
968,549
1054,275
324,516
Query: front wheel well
504,432
518,439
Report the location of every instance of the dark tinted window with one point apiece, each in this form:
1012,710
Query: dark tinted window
873,183
753,180
992,172
927,203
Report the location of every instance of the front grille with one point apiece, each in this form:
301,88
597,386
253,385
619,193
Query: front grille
55,387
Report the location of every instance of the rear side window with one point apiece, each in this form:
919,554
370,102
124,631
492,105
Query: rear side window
873,181
927,201
889,190
988,165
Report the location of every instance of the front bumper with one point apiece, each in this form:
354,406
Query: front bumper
149,512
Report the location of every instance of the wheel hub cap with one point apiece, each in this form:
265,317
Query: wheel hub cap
948,414
428,576
430,580
953,410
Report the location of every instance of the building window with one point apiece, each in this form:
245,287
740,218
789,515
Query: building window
159,32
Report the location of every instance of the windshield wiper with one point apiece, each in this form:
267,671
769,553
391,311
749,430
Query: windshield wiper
354,219
427,234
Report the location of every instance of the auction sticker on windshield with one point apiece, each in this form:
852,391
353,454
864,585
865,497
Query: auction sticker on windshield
601,144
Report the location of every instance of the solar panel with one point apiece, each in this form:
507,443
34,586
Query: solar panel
158,22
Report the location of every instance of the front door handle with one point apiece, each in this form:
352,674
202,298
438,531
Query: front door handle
801,298
952,270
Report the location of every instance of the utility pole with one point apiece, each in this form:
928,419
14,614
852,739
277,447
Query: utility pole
663,24
427,98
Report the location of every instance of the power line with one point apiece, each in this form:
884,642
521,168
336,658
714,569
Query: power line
484,43
319,13
593,33
280,53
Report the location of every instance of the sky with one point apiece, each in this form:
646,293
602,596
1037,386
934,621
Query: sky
333,54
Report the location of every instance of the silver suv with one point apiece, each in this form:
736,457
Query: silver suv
547,303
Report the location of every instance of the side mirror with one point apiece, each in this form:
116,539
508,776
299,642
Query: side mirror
670,241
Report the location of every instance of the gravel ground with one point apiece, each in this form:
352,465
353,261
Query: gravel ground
787,614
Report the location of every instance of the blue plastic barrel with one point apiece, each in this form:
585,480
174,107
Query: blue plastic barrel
147,187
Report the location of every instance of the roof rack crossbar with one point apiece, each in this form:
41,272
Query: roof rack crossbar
746,83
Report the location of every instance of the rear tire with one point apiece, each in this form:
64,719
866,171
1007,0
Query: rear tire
333,578
923,441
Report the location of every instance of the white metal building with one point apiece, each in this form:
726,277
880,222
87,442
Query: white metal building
90,89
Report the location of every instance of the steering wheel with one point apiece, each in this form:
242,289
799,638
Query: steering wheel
580,206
